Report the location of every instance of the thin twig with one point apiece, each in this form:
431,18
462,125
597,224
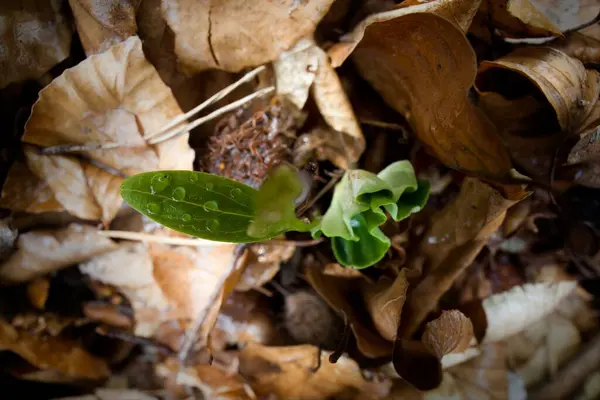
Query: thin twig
71,148
213,99
178,130
382,124
147,237
336,176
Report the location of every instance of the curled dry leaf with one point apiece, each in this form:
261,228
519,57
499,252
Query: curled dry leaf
384,301
423,66
343,295
54,353
521,18
288,372
44,251
79,108
510,312
583,45
569,87
451,332
165,284
449,248
262,263
587,152
235,34
35,37
24,191
102,24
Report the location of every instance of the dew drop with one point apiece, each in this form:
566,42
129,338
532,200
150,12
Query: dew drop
235,192
153,208
186,217
159,183
212,225
194,177
178,193
209,186
211,206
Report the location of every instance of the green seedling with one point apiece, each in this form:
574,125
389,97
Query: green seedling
220,209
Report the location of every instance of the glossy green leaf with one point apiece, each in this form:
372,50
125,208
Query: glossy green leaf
199,204
275,212
369,249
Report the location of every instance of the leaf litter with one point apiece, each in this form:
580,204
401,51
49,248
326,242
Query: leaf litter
488,292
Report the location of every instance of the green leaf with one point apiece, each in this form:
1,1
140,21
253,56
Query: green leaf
199,204
275,212
358,208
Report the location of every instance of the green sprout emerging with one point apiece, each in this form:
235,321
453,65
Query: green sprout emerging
220,209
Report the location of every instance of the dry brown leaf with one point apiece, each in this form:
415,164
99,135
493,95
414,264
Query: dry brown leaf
288,373
343,295
449,247
24,191
36,36
511,312
113,394
583,45
54,353
295,71
335,269
451,332
423,66
262,264
587,151
235,34
384,301
569,87
44,251
520,18
101,24
136,102
38,291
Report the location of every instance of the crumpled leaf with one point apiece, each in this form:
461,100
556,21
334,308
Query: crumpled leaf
55,353
353,218
136,102
41,252
24,191
432,91
384,300
103,24
510,312
569,87
164,283
451,332
449,248
235,34
295,71
587,151
36,37
262,264
287,372
583,45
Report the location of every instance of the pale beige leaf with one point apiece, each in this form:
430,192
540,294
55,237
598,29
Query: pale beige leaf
451,332
262,264
24,191
288,373
295,71
43,251
529,13
105,188
235,34
384,302
35,37
54,353
102,23
564,14
511,312
583,45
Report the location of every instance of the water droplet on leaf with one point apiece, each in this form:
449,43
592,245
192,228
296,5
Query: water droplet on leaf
209,186
235,192
178,193
212,225
194,177
186,217
211,206
153,208
159,183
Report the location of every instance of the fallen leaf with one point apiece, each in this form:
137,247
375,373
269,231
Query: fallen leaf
431,91
295,71
587,152
106,313
510,312
521,18
236,34
343,295
583,45
450,248
567,85
113,394
103,24
24,191
55,353
36,37
136,103
335,269
288,373
262,264
37,292
451,332
384,301
41,252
